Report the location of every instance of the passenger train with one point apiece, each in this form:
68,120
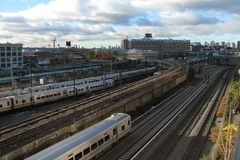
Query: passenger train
89,143
48,93
115,77
24,100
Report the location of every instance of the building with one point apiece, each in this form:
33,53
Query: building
164,47
124,43
142,53
233,45
11,55
238,45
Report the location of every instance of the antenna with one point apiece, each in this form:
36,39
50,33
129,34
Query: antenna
54,41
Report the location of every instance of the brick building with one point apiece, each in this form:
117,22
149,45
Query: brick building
164,47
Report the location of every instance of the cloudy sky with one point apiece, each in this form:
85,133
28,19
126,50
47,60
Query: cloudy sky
92,23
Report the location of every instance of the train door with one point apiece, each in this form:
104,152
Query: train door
11,103
115,134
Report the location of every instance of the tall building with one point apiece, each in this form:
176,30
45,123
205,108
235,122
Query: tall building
164,47
222,44
124,43
238,45
11,55
212,43
233,45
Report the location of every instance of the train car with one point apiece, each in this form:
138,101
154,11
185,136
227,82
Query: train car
34,98
11,93
100,85
22,100
151,69
5,94
114,76
52,95
29,99
89,143
5,104
37,88
131,74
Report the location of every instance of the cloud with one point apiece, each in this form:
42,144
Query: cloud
88,20
186,18
231,6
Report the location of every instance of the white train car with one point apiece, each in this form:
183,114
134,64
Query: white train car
38,88
5,104
90,142
114,76
5,94
100,85
52,95
24,100
11,93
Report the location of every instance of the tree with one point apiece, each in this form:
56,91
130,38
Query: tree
90,54
99,54
227,140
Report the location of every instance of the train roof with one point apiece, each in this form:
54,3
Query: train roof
64,146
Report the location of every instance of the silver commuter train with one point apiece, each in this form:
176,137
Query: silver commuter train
90,142
24,100
115,76
47,87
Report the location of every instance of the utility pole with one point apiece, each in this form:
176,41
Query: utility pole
12,81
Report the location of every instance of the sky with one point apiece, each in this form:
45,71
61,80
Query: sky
96,23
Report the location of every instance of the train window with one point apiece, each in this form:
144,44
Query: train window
64,92
86,151
78,156
107,138
100,142
123,127
47,96
42,97
128,122
55,94
114,131
51,95
59,94
93,146
38,98
1,106
8,103
23,101
16,101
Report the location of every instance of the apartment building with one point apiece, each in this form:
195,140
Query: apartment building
11,55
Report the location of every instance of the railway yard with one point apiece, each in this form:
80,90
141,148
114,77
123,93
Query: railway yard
175,128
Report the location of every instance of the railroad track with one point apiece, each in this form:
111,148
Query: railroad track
196,146
150,128
177,136
24,132
147,127
102,97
